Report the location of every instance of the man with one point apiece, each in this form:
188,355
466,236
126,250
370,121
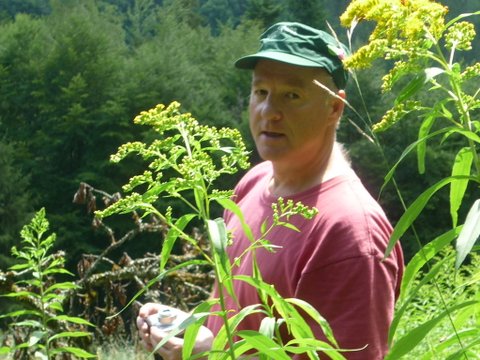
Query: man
335,261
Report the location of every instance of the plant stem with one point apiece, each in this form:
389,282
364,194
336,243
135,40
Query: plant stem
223,308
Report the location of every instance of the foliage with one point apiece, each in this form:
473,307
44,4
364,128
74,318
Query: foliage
423,47
420,304
15,200
42,324
195,156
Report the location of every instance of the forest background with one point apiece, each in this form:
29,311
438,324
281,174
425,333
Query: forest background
73,74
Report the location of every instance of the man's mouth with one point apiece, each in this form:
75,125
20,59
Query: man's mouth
271,134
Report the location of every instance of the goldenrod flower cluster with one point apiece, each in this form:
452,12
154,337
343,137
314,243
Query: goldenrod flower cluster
460,35
186,155
411,34
402,27
395,114
471,71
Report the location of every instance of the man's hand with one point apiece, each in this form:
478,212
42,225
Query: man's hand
172,349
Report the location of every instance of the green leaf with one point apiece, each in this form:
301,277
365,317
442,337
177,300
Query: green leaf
171,237
36,337
461,16
4,350
289,226
467,133
73,350
315,315
417,83
461,354
221,340
218,235
300,346
70,334
71,319
62,286
469,234
29,323
217,232
22,313
295,323
423,256
404,345
407,300
17,267
199,313
57,271
267,326
55,306
22,294
231,206
422,146
407,151
264,344
416,208
461,166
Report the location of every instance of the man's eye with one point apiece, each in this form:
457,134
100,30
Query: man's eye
260,92
292,95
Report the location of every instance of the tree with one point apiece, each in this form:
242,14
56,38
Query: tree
10,8
266,12
309,12
15,200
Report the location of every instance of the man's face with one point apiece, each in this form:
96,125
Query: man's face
292,119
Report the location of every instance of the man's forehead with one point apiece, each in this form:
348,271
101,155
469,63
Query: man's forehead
290,74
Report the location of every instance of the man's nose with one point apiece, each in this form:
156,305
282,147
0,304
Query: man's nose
271,109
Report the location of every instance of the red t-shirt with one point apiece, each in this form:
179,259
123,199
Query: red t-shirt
334,262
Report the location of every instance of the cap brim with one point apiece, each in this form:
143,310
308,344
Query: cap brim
249,62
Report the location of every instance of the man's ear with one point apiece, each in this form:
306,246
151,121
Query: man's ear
337,105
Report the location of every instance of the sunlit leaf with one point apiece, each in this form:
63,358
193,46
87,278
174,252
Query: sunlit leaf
234,208
299,346
466,347
267,326
71,319
62,286
416,208
422,146
264,344
171,237
423,256
70,334
200,313
417,83
22,313
36,337
409,297
75,351
462,166
405,344
469,234
221,339
314,314
407,151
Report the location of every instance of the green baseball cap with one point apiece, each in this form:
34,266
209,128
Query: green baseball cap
301,45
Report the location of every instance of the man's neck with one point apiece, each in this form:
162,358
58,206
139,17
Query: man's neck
292,179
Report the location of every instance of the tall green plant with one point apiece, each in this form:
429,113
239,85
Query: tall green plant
423,49
39,327
184,162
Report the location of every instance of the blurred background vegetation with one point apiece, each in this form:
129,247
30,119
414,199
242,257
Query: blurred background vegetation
73,74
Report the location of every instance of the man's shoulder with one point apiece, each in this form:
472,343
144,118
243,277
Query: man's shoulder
254,181
257,172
